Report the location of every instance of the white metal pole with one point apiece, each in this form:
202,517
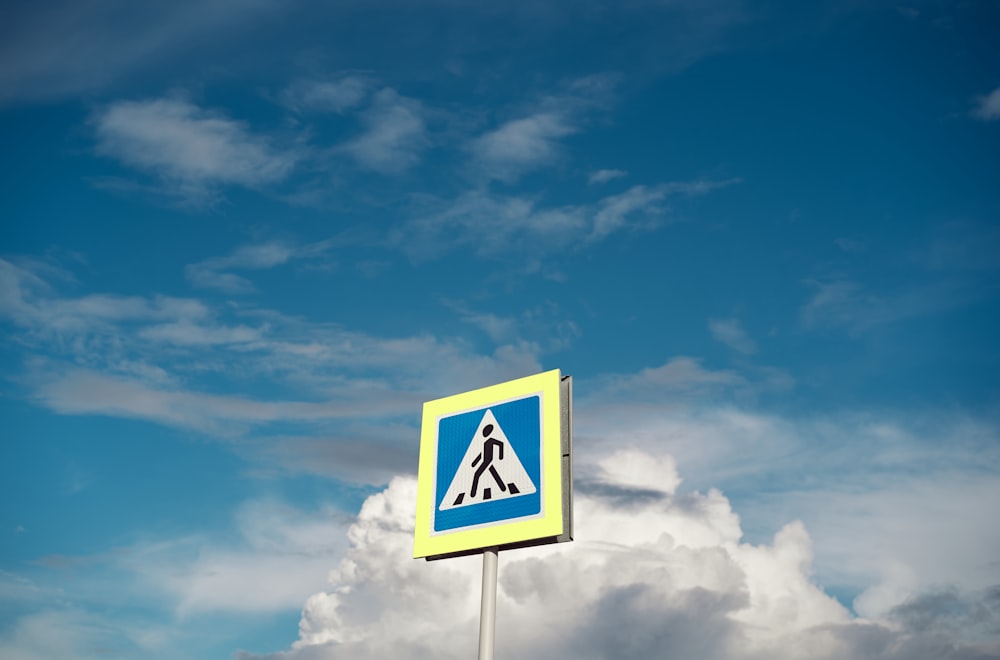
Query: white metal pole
488,606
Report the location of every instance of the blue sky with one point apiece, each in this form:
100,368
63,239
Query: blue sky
242,241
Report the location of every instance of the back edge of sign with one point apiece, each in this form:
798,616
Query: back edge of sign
558,523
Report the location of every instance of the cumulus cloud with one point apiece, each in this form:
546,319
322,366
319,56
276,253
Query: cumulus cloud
190,149
884,497
731,333
988,107
663,577
395,134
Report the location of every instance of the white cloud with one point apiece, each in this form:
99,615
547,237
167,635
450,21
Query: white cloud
209,273
521,145
731,333
988,107
545,324
603,176
615,210
640,205
497,328
885,498
395,134
326,95
30,301
533,140
160,359
897,549
488,224
190,149
279,554
679,376
492,224
217,584
842,303
53,634
212,273
87,392
652,573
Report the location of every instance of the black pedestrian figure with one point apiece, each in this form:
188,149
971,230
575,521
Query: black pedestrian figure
487,458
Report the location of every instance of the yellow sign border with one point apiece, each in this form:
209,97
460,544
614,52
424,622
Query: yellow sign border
549,523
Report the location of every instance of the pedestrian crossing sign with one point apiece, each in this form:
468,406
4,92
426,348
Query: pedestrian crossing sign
495,468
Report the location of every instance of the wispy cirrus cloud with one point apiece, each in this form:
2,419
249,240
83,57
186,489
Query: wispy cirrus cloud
617,210
492,224
543,323
395,134
847,304
488,224
147,358
642,204
30,301
189,149
215,272
603,176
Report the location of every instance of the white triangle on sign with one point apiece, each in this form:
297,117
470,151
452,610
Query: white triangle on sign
489,471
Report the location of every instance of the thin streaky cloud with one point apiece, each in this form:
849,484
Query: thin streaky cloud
214,272
617,211
848,304
493,224
84,392
603,176
642,205
144,357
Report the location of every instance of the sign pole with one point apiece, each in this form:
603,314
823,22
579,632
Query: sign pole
488,605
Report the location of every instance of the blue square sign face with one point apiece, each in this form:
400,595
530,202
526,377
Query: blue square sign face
489,465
